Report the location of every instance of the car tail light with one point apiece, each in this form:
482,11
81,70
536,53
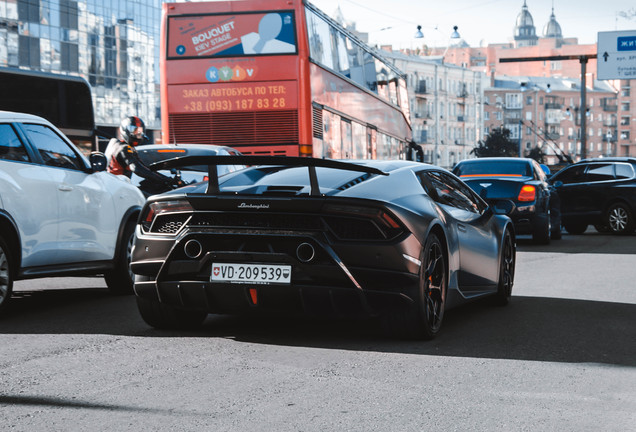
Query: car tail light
163,208
528,193
362,222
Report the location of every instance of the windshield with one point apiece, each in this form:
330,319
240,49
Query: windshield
504,168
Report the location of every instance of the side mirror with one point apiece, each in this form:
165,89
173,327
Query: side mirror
503,207
557,184
98,161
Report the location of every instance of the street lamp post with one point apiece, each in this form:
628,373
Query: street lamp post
454,35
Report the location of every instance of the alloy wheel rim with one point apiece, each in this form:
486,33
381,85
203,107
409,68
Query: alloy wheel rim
508,265
4,276
129,257
618,219
434,292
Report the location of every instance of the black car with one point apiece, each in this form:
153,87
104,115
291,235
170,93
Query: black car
600,192
397,239
523,181
150,154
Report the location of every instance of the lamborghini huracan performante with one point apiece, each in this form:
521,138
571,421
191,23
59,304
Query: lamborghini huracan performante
399,240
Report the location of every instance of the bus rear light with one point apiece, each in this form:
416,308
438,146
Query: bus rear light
527,194
306,150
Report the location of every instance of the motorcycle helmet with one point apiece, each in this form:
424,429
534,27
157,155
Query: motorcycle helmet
133,130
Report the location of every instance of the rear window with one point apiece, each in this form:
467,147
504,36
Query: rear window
600,172
294,176
494,168
624,171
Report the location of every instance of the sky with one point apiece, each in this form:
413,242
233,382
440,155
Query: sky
479,22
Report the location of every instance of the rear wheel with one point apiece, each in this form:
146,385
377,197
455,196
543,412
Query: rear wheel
162,316
6,280
120,279
424,319
619,219
541,232
575,227
506,270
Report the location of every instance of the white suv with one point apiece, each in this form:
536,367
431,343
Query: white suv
60,215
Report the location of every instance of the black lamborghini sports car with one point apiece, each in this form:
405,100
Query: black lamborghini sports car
395,239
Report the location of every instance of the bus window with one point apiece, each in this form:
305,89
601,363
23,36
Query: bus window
319,40
359,141
347,144
369,72
343,58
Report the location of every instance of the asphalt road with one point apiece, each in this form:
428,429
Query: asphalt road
560,357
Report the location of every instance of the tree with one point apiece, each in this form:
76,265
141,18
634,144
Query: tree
537,154
497,144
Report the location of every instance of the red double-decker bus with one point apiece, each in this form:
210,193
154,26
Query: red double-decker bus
278,77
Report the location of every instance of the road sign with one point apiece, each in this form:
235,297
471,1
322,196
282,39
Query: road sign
616,55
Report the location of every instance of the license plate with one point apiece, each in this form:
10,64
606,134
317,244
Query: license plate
251,273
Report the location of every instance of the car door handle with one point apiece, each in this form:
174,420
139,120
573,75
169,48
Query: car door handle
65,188
461,227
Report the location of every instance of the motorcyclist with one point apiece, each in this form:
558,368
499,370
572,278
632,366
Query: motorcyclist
123,158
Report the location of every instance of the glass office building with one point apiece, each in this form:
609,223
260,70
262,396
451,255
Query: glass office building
113,44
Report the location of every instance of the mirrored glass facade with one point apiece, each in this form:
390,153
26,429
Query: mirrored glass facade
113,44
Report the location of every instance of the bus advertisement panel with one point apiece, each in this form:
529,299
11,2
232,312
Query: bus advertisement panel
277,77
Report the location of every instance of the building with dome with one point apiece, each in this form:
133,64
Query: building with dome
612,122
552,29
525,34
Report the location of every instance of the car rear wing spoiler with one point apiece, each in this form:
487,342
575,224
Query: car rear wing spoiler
290,161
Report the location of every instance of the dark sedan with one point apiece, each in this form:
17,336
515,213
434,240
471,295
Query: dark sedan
151,154
524,182
601,192
396,239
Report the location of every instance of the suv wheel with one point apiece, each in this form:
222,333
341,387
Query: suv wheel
6,281
120,279
619,219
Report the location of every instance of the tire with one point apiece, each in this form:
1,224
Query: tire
506,270
575,228
6,277
166,317
619,219
424,320
120,279
555,224
541,232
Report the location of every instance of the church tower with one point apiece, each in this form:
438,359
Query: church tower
525,34
552,30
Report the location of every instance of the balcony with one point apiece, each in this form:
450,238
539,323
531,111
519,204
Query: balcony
610,138
420,88
554,103
552,135
424,114
609,104
421,137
